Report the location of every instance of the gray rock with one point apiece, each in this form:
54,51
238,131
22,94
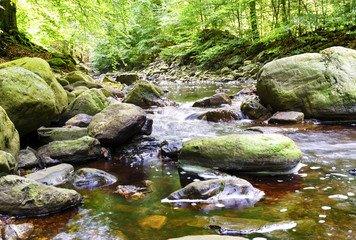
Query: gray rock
7,162
287,117
92,178
220,115
26,197
147,127
117,123
229,191
127,78
53,176
209,237
213,101
72,151
80,120
18,231
27,158
47,135
321,85
254,110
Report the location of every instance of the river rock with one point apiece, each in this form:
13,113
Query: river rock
7,162
78,76
42,69
147,127
117,123
214,101
27,158
47,135
18,231
254,110
153,222
127,78
135,192
53,176
72,151
242,152
28,99
229,191
220,115
171,150
87,84
208,237
287,117
9,137
91,178
26,197
79,120
146,94
90,102
321,85
79,90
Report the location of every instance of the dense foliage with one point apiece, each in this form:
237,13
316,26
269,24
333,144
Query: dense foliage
118,33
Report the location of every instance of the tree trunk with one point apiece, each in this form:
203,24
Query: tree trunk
253,19
8,22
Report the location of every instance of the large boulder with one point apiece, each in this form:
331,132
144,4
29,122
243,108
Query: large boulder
72,151
90,102
229,192
26,197
146,94
214,101
242,152
321,85
9,137
28,99
42,69
117,123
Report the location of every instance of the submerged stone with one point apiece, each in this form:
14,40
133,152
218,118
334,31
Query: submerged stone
18,231
242,152
91,178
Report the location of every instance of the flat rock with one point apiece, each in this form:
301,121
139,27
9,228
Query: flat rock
287,117
47,135
91,178
53,176
25,197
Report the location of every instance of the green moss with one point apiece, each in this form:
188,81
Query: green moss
56,62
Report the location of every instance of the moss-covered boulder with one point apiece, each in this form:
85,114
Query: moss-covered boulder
214,101
254,110
26,197
90,102
242,152
42,69
79,90
7,162
72,151
28,99
117,123
47,135
146,94
321,85
78,76
9,137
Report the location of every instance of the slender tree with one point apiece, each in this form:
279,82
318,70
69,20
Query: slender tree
8,23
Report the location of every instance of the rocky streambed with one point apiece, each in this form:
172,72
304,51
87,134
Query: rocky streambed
145,167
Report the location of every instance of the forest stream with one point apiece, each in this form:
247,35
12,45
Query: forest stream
316,201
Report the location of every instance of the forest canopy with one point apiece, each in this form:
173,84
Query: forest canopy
133,33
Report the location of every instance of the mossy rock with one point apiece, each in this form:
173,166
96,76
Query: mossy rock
242,152
9,137
56,62
62,81
7,162
78,76
79,90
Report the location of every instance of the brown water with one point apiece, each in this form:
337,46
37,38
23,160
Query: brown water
320,196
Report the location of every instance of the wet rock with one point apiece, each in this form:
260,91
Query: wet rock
26,197
135,192
53,176
153,222
147,127
254,110
213,101
209,237
237,226
90,102
78,76
47,135
115,92
79,120
27,158
72,151
321,85
127,78
287,117
251,93
242,152
220,115
171,150
352,172
7,162
117,123
91,178
146,94
18,231
227,192
9,137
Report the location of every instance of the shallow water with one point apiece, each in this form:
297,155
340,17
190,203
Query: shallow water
320,197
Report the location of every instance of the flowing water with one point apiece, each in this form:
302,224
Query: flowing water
317,202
